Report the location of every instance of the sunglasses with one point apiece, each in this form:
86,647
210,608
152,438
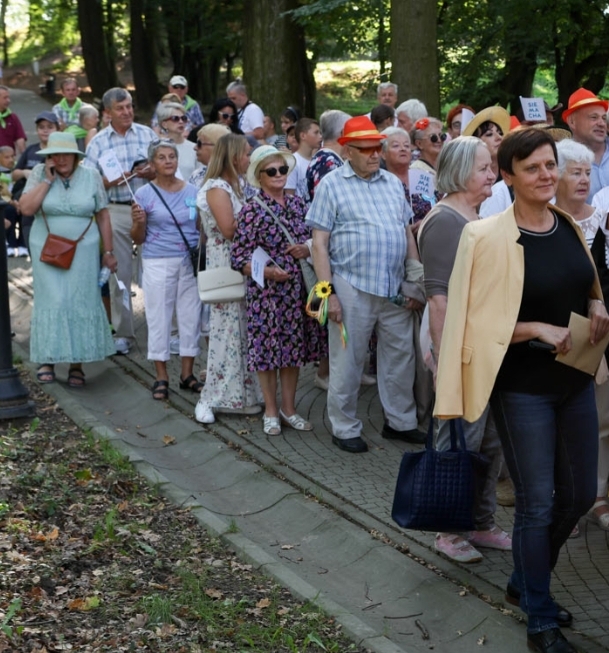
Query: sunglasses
178,86
367,151
201,144
434,138
226,116
178,118
271,172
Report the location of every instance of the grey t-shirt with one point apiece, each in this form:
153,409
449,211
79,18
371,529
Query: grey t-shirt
438,244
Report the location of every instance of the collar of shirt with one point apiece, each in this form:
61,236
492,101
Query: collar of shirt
347,171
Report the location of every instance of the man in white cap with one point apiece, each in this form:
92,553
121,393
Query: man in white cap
250,115
179,86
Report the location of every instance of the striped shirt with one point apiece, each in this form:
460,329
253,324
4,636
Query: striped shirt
131,147
367,221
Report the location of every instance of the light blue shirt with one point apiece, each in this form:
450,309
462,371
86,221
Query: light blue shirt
599,176
131,147
367,221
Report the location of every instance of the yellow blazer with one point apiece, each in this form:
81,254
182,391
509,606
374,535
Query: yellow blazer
484,296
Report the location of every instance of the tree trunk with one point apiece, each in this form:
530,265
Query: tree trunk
99,60
3,28
143,53
414,52
275,69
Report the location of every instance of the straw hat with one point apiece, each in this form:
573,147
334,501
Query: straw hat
258,156
61,143
582,98
360,128
498,115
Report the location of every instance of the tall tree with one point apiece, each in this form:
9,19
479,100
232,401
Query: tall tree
144,36
274,56
414,52
97,45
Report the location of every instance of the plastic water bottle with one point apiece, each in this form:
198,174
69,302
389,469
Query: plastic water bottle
104,275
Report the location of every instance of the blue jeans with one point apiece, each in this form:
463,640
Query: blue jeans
550,444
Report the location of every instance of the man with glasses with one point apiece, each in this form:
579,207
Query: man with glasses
361,240
129,141
179,86
586,116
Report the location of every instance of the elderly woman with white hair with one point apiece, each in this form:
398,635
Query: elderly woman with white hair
466,176
172,123
428,137
574,169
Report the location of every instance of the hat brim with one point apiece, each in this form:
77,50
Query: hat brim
589,102
59,150
345,140
251,176
498,115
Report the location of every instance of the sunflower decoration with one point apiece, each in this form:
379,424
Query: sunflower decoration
323,289
317,306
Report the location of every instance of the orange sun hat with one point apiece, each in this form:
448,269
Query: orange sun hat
582,98
360,128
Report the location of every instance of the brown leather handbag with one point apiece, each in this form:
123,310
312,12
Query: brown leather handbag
57,250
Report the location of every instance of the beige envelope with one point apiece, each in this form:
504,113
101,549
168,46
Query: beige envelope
583,356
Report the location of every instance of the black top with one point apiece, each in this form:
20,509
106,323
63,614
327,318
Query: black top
558,276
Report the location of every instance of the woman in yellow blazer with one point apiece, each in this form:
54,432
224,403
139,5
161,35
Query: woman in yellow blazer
517,277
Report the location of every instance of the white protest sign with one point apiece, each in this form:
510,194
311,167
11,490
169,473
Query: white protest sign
259,260
466,117
533,108
126,294
421,182
110,165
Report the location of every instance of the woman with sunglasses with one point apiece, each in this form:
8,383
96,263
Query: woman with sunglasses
281,337
224,112
428,138
490,125
172,121
207,137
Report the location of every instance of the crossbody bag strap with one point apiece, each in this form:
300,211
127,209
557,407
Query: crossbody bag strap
156,190
82,235
277,220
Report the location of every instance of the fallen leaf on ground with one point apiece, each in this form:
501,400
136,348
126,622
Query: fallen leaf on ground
168,439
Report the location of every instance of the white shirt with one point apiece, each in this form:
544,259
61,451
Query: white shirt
250,117
297,181
497,202
187,159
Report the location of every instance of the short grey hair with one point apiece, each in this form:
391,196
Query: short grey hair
392,131
165,111
417,134
115,94
414,109
571,152
87,111
331,123
384,85
156,145
236,87
456,163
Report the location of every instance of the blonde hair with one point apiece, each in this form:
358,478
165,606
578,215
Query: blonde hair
222,163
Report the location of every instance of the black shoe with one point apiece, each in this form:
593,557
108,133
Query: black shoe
563,618
549,641
352,445
413,435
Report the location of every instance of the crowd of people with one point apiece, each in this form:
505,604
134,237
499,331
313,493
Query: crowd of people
500,222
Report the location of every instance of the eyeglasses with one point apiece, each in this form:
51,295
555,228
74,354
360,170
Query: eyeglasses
178,86
178,118
226,116
434,138
368,151
271,172
456,124
201,144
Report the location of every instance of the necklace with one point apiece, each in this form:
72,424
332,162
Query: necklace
65,181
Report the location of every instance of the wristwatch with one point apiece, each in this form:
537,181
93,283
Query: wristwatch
109,251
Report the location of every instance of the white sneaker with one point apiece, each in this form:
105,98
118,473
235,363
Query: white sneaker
122,346
174,346
204,413
368,379
11,252
321,383
22,252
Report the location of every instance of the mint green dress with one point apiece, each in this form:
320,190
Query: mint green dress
69,323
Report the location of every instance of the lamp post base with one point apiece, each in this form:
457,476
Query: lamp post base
14,396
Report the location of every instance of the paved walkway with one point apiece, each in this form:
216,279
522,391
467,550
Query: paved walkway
315,517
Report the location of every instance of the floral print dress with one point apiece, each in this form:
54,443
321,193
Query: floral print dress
229,384
280,333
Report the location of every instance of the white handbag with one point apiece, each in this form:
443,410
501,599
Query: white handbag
220,285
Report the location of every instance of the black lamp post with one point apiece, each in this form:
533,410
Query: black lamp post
14,395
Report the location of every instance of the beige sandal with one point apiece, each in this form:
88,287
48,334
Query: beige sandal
602,521
271,425
296,422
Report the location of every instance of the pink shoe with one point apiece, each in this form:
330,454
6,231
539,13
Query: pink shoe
456,548
495,538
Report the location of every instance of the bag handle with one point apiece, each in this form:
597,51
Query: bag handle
188,247
82,235
277,220
456,430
